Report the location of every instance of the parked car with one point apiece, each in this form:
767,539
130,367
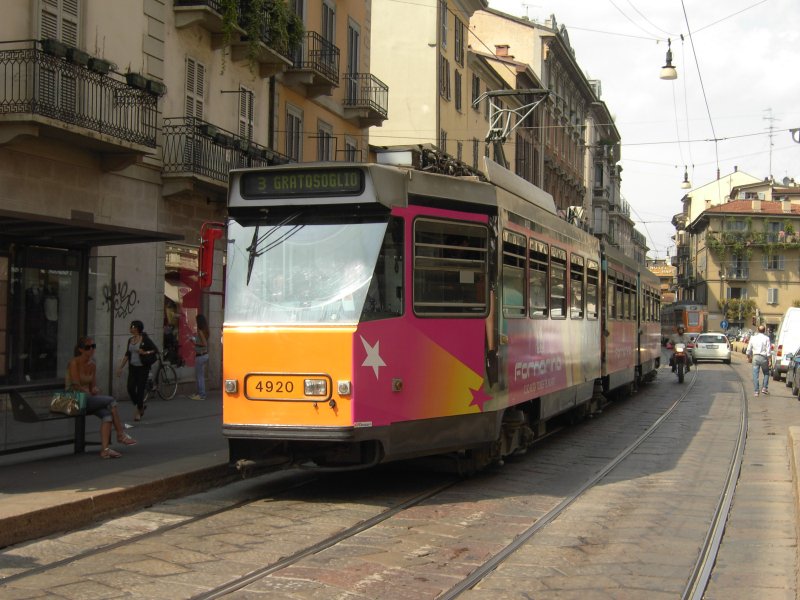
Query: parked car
712,346
793,374
788,339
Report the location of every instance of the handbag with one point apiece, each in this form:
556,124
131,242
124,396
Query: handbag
68,403
148,360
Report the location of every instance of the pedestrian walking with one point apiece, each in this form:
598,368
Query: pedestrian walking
759,354
140,356
82,377
200,357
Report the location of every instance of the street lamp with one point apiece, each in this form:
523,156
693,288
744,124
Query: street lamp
668,71
685,184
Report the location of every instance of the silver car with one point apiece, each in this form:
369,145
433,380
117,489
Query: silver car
712,346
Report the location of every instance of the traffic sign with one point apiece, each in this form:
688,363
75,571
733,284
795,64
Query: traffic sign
724,324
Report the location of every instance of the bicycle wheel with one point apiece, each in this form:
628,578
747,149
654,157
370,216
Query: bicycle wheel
167,382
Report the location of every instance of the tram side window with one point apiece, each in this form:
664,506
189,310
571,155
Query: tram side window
450,268
576,277
592,279
611,296
385,294
513,275
558,283
620,296
627,294
537,289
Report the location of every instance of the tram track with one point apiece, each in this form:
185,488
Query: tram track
701,572
431,495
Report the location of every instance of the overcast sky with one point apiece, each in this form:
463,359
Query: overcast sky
741,59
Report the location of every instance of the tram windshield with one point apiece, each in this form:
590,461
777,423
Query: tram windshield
310,273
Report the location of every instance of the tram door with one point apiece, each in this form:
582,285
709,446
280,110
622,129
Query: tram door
100,312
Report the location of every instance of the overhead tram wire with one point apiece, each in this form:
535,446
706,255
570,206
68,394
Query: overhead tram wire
702,85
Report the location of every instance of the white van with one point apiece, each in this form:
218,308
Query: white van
786,342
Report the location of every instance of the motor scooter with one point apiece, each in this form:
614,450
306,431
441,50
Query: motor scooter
679,360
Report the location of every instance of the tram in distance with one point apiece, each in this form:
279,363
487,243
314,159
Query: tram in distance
375,313
691,315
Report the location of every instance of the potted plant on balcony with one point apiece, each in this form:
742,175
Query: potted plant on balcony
55,47
100,65
253,151
208,130
78,56
158,88
223,139
136,80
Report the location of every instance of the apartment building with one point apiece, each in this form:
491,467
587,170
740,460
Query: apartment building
742,256
119,125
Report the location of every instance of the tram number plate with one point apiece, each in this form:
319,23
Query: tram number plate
284,387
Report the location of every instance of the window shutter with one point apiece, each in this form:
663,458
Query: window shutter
60,19
195,85
780,262
245,113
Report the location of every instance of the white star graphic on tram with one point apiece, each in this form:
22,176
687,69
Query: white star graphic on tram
373,359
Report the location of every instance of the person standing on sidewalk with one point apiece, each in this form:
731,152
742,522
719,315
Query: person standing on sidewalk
140,356
758,353
200,357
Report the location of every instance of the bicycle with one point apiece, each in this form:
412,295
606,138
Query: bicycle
163,381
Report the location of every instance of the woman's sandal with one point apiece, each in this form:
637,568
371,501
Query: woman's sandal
127,440
109,453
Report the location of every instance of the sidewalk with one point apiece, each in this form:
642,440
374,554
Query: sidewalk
181,450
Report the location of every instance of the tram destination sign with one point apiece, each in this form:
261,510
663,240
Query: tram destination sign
300,183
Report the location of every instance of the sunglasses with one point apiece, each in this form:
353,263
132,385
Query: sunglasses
89,346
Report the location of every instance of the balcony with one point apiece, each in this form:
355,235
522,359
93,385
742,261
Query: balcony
199,156
270,56
316,66
75,98
737,273
366,99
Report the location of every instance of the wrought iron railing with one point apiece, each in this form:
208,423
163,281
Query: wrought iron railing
366,90
35,82
192,145
317,54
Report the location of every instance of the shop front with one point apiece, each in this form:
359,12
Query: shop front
54,288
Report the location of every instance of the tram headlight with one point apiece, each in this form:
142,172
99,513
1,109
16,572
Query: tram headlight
231,386
315,387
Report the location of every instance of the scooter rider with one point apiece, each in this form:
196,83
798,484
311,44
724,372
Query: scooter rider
681,338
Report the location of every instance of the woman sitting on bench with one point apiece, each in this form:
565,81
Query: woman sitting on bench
82,377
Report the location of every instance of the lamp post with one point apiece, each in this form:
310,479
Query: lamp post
723,301
669,72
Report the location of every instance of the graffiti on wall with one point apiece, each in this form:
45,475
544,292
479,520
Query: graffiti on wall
119,299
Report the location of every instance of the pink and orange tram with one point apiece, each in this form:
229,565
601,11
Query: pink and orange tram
376,313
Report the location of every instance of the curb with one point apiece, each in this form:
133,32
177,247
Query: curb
794,460
72,515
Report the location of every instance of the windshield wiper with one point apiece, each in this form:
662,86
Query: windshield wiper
254,250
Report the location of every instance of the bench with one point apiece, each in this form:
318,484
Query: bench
23,412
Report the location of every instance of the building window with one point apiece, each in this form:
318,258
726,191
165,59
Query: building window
458,90
773,262
294,133
443,21
443,140
246,101
772,295
324,141
60,20
350,149
459,150
195,84
475,153
476,91
444,78
458,35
